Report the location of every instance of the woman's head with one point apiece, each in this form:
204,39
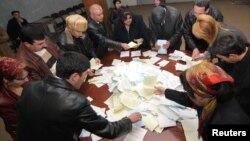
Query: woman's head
204,84
126,16
77,25
206,28
117,4
12,72
206,81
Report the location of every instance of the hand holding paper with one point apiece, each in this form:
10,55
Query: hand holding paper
163,46
134,45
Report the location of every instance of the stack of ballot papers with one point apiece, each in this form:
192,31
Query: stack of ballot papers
132,87
94,65
133,44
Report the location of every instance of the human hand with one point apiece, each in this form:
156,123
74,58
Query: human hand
125,46
139,41
156,47
97,61
201,56
91,72
134,117
166,46
159,90
195,53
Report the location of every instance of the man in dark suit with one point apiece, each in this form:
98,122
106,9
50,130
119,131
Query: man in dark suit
14,28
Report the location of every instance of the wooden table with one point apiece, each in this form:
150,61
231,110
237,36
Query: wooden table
100,95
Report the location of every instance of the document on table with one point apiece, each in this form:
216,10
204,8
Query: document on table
135,53
116,62
94,65
137,134
161,43
163,63
190,127
124,54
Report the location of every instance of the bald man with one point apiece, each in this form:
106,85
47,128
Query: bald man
98,34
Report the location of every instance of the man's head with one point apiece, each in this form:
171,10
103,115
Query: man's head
206,28
158,2
158,15
96,12
33,38
201,7
229,47
76,25
73,67
16,14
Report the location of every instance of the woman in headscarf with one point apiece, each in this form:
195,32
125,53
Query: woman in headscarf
13,75
209,89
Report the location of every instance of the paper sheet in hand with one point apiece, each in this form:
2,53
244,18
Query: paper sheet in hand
94,65
133,44
161,43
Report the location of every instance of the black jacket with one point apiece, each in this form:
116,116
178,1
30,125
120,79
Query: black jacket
51,110
171,30
14,29
240,72
67,42
190,40
137,30
98,34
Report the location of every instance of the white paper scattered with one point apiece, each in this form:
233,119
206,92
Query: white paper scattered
135,53
116,62
124,54
137,134
163,63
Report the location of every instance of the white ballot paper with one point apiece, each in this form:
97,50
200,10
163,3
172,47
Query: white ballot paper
133,44
94,65
161,43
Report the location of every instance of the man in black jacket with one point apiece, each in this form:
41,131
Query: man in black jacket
235,55
165,23
14,28
52,109
98,34
200,7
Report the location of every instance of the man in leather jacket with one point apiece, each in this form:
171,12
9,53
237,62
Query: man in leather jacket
52,109
200,7
165,23
75,39
98,34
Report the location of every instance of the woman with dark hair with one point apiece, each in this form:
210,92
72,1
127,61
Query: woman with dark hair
209,89
131,27
114,12
13,76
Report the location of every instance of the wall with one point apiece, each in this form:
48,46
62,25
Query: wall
167,1
32,10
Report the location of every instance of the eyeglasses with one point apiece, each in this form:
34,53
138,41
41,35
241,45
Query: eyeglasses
22,78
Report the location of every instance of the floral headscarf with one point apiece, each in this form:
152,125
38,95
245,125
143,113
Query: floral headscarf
200,78
9,68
